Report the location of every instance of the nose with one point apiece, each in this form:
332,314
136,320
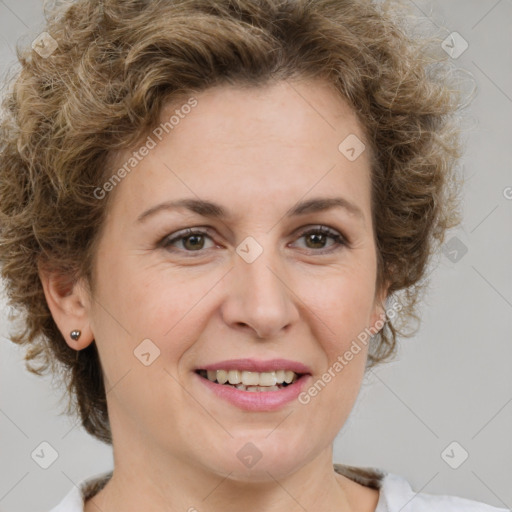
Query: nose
258,297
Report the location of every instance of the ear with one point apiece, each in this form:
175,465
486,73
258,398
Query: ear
379,310
69,303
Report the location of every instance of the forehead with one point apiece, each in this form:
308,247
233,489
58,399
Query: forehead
278,113
244,145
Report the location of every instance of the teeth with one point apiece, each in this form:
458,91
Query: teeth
288,376
222,376
268,379
252,381
257,388
234,377
250,378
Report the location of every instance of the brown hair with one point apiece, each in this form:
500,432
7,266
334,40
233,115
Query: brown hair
119,62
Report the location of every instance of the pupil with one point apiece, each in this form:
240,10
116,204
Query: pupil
188,238
316,235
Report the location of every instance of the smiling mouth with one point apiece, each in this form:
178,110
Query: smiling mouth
251,381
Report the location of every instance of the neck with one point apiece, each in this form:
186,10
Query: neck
148,486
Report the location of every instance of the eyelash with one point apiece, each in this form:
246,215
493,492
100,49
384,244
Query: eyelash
339,240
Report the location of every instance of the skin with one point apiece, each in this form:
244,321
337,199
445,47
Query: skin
257,152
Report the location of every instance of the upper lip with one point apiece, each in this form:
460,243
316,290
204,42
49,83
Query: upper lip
258,365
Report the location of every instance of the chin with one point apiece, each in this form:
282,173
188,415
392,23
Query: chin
259,460
263,471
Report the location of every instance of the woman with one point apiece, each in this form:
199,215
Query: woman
210,211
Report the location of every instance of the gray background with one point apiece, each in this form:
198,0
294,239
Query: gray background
450,382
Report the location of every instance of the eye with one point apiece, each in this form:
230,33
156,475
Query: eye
192,240
318,236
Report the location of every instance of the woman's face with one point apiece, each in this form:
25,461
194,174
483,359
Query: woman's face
251,286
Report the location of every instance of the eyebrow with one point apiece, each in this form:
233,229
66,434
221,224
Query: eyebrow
216,211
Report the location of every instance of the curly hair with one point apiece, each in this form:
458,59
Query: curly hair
119,62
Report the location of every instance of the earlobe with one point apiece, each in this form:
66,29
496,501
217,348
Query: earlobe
69,305
379,313
378,318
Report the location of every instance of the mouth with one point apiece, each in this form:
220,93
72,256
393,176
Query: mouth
255,385
251,381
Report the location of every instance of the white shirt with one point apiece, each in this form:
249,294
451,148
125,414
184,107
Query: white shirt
396,494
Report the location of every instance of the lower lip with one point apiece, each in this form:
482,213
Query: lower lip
257,400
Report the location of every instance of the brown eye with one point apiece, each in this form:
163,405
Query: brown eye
192,240
317,238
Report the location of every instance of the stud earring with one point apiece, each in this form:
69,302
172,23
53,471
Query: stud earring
75,335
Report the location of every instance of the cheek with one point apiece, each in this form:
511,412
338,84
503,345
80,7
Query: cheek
343,309
342,303
143,301
167,308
